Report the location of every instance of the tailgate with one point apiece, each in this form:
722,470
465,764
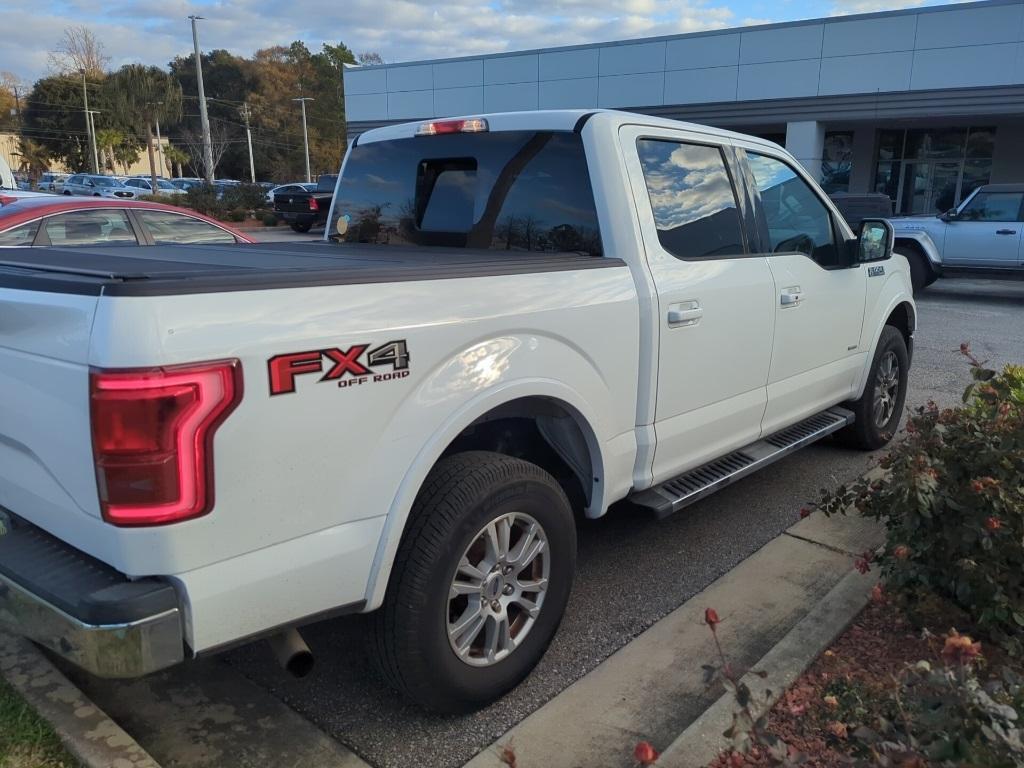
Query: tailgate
296,202
46,466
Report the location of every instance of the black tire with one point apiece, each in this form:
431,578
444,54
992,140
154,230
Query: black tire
301,228
409,634
865,433
67,193
921,273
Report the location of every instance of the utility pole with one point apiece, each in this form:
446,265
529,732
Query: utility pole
92,132
305,134
248,137
207,142
88,121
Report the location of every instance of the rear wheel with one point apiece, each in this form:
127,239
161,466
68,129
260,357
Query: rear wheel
921,273
479,584
300,227
880,407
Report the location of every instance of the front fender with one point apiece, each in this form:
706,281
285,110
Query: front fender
925,243
882,300
475,381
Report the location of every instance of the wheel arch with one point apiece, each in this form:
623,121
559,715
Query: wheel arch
501,422
902,315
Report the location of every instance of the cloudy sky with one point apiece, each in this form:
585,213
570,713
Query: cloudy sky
154,31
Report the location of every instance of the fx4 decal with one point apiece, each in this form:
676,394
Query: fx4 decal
876,271
283,369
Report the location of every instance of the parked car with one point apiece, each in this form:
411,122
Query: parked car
986,232
97,186
525,317
45,220
289,188
145,186
52,182
304,210
186,183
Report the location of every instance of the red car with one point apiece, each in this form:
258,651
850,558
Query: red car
71,221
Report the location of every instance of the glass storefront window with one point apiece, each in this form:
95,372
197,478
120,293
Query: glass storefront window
932,170
837,161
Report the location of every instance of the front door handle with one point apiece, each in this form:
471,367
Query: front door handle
684,313
790,297
1006,231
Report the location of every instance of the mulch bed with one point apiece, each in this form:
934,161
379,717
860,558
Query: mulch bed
843,688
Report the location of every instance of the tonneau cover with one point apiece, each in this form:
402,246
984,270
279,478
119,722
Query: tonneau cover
181,269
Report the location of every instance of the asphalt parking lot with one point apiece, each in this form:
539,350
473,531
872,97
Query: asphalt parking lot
633,570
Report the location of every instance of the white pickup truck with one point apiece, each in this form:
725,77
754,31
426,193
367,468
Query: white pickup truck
518,317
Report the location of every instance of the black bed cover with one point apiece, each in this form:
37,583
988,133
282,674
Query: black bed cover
160,270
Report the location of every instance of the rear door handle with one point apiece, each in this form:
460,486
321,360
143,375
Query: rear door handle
684,313
790,297
1006,231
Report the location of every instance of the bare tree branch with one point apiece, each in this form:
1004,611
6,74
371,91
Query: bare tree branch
79,49
369,57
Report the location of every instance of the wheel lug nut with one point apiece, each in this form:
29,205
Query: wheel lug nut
508,589
496,606
508,569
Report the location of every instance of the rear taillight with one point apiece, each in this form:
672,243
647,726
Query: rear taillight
313,204
152,438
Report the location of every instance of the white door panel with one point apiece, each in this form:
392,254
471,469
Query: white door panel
716,312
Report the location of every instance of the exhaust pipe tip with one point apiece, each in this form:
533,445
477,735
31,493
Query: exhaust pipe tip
292,653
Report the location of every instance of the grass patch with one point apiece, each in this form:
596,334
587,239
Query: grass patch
26,740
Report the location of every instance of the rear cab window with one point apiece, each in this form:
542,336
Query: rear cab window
504,190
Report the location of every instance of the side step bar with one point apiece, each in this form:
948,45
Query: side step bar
685,489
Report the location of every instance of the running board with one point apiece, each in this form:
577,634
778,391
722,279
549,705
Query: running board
685,489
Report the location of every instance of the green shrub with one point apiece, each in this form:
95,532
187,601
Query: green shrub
952,501
269,219
248,196
203,198
237,214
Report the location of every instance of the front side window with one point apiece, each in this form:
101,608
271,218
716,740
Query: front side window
692,198
109,227
166,227
993,206
23,234
507,190
796,218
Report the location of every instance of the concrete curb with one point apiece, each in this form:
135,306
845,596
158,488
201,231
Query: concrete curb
85,730
702,741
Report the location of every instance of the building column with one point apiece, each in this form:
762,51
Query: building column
805,140
863,159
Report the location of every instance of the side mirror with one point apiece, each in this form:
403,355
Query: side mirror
949,215
875,241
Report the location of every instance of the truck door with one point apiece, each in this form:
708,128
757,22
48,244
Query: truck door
818,300
986,231
715,299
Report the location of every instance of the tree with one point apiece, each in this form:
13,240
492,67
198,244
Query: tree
34,160
9,100
79,49
53,117
147,94
116,148
370,58
176,159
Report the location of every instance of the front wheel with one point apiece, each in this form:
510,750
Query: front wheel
301,228
880,407
479,584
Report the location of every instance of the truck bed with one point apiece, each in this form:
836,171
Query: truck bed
186,269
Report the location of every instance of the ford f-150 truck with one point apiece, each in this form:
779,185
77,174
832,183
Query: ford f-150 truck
515,318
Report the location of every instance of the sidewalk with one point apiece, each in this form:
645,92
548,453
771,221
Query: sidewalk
652,688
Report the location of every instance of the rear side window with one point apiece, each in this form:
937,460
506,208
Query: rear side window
993,206
797,219
20,235
507,190
108,227
166,227
692,198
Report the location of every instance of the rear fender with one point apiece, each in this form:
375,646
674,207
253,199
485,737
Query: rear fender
473,383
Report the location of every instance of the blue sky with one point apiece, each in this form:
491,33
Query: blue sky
154,31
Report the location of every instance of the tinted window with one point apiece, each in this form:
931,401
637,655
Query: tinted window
993,206
20,235
109,227
508,190
167,227
797,219
692,198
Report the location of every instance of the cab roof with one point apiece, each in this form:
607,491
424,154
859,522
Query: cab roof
553,120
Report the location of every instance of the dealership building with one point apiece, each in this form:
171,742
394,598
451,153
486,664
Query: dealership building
922,104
